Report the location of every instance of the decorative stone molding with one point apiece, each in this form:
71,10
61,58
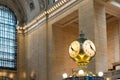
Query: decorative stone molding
31,4
51,11
106,0
42,5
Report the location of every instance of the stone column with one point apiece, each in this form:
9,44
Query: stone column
92,21
119,37
116,25
21,57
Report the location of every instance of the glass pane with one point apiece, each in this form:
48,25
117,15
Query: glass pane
55,0
7,38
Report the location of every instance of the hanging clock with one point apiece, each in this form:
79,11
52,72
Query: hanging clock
82,50
74,49
89,48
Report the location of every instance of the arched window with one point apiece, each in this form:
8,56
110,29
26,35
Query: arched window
52,1
8,42
55,0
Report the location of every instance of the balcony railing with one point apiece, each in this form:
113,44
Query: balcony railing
113,75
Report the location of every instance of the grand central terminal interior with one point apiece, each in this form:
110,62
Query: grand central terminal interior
37,39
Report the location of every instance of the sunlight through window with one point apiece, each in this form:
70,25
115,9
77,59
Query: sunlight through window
7,38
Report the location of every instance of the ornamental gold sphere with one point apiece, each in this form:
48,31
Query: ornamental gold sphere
82,50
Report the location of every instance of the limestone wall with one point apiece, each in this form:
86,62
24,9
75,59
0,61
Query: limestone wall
113,43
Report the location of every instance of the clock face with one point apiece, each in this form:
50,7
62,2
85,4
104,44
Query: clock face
89,48
74,49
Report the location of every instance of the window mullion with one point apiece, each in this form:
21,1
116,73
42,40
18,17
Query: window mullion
7,38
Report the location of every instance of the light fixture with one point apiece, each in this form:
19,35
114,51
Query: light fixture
33,75
4,73
82,50
11,75
81,72
100,74
115,3
64,75
108,79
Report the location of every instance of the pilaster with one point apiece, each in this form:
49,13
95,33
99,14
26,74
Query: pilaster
21,56
119,37
92,21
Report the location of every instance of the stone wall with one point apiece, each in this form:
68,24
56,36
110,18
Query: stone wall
36,54
113,43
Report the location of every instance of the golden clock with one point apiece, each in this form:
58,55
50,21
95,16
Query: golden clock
89,48
82,50
74,49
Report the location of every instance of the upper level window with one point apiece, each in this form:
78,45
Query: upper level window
52,1
8,44
55,0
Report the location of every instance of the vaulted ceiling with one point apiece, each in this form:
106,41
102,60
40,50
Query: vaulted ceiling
112,13
27,10
17,7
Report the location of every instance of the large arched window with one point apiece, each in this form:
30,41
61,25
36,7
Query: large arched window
55,0
8,44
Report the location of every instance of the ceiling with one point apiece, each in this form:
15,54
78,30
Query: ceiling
27,10
112,13
17,7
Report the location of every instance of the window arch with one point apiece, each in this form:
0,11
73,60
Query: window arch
55,0
8,42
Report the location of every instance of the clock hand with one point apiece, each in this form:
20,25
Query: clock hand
73,49
92,48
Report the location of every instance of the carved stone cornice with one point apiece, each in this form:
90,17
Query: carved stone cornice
52,11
